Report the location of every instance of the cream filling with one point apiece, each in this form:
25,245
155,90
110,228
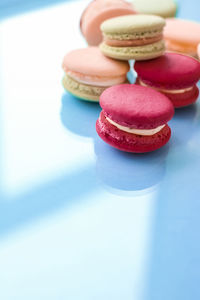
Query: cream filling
147,132
96,80
166,91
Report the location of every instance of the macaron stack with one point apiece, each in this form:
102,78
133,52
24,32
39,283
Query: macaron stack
134,117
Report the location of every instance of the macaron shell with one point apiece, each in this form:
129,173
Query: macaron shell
171,71
182,31
132,23
144,52
134,106
130,142
163,8
90,61
82,91
97,12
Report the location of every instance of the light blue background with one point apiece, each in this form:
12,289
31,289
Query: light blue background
79,219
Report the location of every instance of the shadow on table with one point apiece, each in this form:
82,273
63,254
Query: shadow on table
79,116
129,172
184,124
66,191
175,250
174,271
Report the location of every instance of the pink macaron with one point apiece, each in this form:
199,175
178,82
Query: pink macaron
172,74
134,118
96,13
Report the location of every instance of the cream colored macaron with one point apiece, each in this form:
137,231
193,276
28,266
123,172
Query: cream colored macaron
138,37
163,8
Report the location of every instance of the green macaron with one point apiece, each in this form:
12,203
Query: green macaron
138,37
163,8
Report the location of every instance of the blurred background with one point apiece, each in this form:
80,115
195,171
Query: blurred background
11,7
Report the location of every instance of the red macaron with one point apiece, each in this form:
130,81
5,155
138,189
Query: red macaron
172,74
134,118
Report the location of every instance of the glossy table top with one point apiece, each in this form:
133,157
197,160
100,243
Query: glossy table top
80,220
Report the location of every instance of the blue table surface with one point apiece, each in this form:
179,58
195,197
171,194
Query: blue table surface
80,220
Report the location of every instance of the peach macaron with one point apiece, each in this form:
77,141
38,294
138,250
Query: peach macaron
182,36
88,73
96,13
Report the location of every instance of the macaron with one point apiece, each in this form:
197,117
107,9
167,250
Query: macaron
198,51
134,118
182,36
138,37
162,8
88,73
173,74
99,11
